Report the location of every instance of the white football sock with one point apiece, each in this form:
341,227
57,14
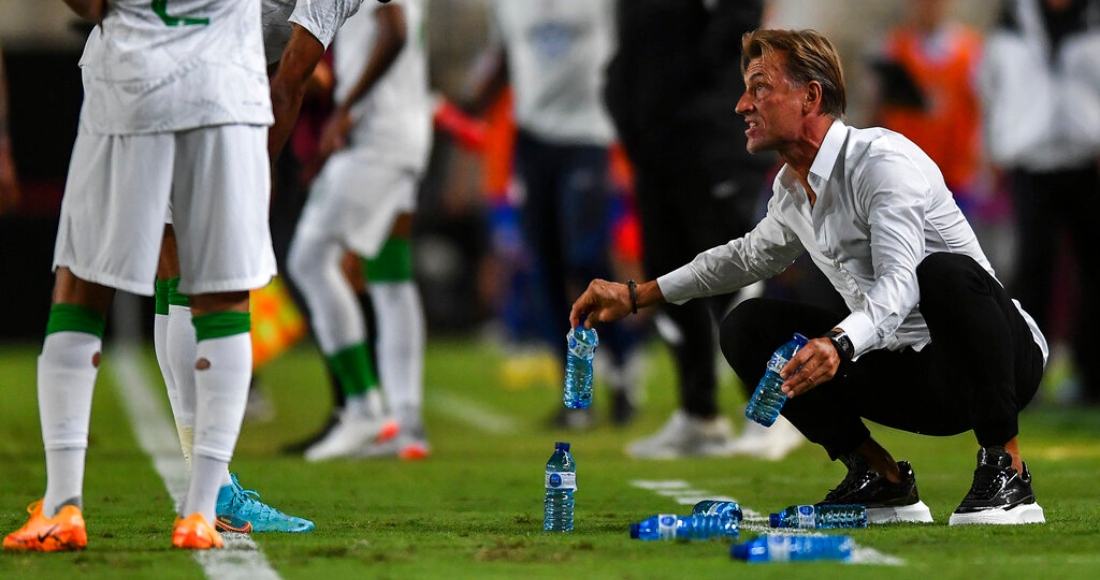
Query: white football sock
67,370
160,346
202,492
223,371
180,352
400,347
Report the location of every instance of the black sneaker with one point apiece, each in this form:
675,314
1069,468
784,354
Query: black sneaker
999,495
886,501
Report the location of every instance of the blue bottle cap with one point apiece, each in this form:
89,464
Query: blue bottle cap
740,551
635,531
775,520
561,445
801,340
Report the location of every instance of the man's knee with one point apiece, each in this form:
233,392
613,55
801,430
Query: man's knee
737,331
947,277
70,289
234,301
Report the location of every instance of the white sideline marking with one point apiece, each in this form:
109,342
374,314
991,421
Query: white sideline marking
470,413
156,433
754,521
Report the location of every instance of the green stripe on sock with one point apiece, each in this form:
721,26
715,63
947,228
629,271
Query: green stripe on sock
221,324
161,295
174,296
353,369
73,318
392,264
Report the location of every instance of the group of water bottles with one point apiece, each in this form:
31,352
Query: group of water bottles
561,470
709,518
722,519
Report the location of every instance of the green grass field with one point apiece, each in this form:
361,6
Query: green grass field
474,509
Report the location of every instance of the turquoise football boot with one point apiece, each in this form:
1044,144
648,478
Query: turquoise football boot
240,510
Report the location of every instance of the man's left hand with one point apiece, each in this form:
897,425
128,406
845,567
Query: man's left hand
812,365
334,136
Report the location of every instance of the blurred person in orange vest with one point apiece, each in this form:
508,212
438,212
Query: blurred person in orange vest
927,91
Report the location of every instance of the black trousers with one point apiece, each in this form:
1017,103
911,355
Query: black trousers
565,222
980,370
682,214
1048,204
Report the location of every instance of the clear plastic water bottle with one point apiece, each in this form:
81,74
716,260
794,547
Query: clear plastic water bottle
821,517
561,482
768,398
794,548
722,509
673,527
581,346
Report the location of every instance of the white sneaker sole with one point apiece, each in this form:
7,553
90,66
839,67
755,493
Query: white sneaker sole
917,513
1028,513
346,441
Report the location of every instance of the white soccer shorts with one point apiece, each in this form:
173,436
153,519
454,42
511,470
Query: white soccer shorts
118,191
356,200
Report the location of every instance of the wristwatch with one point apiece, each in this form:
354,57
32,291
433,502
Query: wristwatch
841,343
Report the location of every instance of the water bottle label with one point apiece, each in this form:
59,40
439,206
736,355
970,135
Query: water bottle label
806,517
666,526
555,480
777,363
778,549
582,348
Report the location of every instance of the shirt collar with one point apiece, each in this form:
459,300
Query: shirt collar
824,161
827,154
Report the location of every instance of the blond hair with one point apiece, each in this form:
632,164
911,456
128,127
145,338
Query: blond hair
809,57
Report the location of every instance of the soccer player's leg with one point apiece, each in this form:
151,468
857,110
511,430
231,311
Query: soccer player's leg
174,341
237,509
67,370
220,199
108,236
339,327
343,214
401,338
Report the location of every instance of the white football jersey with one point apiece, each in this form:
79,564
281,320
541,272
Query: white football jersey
322,18
393,122
170,65
557,52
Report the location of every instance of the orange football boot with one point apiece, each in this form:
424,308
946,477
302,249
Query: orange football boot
195,533
65,531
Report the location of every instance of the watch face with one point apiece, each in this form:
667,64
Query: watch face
842,343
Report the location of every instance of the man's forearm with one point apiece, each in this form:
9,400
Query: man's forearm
388,44
299,59
648,294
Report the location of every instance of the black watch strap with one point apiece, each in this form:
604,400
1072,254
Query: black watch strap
841,343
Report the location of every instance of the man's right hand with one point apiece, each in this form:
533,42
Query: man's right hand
603,301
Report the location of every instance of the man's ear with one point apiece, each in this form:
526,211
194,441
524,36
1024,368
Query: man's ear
814,95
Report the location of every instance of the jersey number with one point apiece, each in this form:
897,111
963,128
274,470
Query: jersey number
161,8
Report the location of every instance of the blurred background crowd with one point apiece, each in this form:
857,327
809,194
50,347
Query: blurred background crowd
943,72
